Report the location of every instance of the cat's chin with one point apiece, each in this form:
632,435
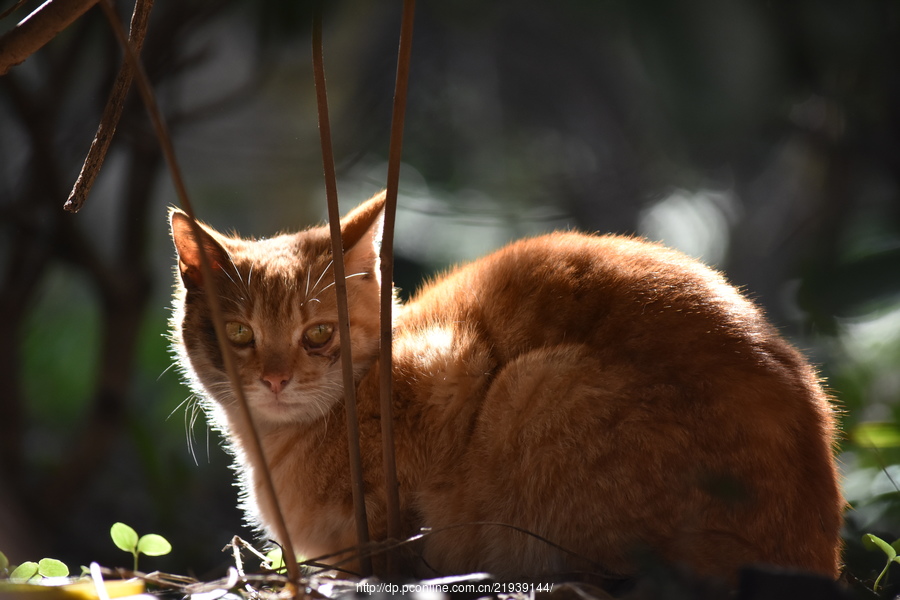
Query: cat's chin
287,408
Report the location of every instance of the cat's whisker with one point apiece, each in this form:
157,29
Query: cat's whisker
237,306
166,370
345,277
184,403
192,413
225,391
306,292
189,421
319,280
240,284
207,443
196,413
230,278
222,391
220,385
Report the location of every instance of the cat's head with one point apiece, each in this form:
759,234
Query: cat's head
280,311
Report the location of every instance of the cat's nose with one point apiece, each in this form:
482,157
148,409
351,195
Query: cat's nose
275,382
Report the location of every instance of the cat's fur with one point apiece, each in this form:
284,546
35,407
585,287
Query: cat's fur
608,394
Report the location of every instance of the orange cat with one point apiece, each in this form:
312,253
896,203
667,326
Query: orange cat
610,395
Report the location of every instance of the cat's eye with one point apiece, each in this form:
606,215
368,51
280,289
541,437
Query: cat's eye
238,333
318,335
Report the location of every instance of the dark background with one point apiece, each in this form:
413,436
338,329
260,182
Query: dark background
761,136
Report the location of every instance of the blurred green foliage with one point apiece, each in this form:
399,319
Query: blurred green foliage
66,320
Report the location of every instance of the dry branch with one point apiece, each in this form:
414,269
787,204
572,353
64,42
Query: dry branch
111,113
37,29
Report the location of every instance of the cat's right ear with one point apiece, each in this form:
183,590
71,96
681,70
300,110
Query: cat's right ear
361,234
188,248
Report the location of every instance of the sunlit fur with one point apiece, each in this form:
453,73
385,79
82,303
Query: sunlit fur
607,394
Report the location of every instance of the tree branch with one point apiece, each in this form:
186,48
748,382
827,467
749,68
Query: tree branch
37,29
111,113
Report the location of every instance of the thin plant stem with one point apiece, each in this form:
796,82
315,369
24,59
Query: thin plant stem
356,478
392,500
255,452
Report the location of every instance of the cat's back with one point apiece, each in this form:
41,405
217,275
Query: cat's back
567,287
627,302
669,382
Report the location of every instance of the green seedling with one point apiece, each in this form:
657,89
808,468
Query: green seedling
873,542
125,538
275,560
30,571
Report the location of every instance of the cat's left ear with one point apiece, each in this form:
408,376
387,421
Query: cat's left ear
361,233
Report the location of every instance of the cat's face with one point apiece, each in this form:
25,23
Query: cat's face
280,311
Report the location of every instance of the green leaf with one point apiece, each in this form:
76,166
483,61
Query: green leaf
124,537
873,542
4,562
24,572
275,558
154,545
50,567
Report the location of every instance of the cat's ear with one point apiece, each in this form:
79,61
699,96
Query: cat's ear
188,249
361,234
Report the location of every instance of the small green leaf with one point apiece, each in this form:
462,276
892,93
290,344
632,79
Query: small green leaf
873,542
24,572
4,562
124,537
154,545
50,567
275,558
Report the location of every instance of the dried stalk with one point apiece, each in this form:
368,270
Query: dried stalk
112,112
37,29
255,450
387,273
356,478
